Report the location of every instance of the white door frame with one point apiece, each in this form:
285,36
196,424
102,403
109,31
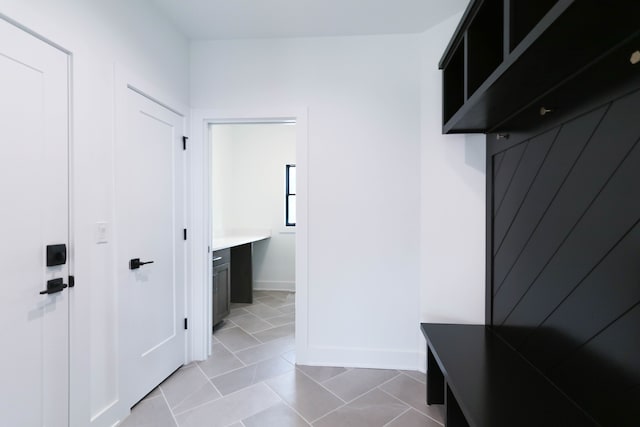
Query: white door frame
200,220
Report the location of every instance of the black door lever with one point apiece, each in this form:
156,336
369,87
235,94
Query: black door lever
54,286
135,263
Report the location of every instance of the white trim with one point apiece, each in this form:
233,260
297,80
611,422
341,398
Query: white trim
422,362
34,34
200,175
362,358
274,285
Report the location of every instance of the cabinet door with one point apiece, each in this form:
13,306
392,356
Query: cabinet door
221,284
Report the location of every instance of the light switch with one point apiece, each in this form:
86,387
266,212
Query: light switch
102,232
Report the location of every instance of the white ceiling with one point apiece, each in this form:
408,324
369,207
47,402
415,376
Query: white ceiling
233,19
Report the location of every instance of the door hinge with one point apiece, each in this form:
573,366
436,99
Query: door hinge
184,142
185,233
72,281
186,323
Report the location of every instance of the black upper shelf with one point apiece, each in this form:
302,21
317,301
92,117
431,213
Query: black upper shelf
506,55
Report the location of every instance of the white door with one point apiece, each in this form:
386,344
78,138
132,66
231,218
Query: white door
150,221
34,213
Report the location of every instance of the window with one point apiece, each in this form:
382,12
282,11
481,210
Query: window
290,196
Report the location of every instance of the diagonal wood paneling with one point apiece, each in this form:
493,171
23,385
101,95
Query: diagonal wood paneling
571,140
532,160
566,257
604,370
587,178
608,219
497,163
504,176
583,315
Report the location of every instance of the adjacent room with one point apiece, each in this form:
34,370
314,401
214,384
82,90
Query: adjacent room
340,213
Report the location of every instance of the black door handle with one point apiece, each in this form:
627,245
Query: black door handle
135,263
54,286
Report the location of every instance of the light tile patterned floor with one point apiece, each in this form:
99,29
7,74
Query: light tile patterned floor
251,380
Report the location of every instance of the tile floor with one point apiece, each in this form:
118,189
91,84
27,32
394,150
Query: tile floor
251,380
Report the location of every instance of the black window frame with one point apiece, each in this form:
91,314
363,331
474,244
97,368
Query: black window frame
287,194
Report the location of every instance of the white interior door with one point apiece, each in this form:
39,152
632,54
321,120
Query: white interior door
150,222
34,213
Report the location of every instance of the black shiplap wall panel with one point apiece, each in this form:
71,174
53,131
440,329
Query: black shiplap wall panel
566,274
532,159
604,370
504,176
588,243
570,142
593,168
611,288
497,163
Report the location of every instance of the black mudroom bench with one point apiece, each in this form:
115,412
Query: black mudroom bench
483,382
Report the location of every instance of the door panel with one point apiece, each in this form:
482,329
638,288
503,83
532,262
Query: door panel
150,219
33,214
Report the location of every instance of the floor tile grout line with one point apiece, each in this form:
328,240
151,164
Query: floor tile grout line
336,376
320,384
403,412
211,382
330,412
232,371
233,353
257,318
267,358
414,378
373,388
216,400
425,414
251,334
354,399
254,346
316,382
406,403
395,397
287,403
175,420
328,379
279,356
186,396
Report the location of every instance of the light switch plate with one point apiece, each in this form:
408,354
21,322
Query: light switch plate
102,232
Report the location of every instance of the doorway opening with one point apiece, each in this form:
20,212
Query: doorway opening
253,238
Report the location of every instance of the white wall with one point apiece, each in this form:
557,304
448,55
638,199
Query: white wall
452,251
221,179
99,34
248,165
363,100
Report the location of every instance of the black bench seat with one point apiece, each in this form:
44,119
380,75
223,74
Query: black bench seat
483,382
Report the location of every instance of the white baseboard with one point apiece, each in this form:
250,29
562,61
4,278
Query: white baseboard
266,285
361,358
422,364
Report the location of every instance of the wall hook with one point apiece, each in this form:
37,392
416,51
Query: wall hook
545,111
502,136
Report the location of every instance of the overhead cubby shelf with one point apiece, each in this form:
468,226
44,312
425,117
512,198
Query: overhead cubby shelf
506,53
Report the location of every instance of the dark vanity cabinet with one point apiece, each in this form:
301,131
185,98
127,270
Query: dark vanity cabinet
221,285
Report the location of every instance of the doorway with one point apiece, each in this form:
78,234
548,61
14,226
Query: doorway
253,235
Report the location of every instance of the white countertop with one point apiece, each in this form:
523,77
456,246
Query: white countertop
237,240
